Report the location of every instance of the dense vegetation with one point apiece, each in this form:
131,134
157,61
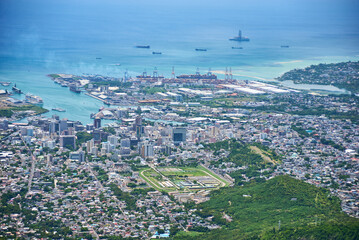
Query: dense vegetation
52,229
16,203
124,196
6,113
291,104
302,132
243,155
123,85
332,143
153,90
54,75
350,115
83,137
10,111
110,130
342,75
304,212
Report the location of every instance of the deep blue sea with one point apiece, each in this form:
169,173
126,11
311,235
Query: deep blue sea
39,37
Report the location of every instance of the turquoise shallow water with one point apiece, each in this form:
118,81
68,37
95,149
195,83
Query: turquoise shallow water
42,37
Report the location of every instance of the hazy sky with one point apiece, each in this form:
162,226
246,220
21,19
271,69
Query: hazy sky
297,7
25,22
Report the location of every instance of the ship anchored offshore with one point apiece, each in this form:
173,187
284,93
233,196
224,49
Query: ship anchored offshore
240,38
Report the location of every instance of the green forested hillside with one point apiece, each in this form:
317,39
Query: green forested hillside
304,212
342,75
249,155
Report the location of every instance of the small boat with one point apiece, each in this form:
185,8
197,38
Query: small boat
59,109
98,58
237,48
284,46
118,64
143,46
5,84
201,49
156,53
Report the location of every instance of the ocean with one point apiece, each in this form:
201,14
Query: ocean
40,37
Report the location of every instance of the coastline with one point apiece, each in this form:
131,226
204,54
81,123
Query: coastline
56,96
95,97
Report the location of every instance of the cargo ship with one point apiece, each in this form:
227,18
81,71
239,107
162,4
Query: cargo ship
201,49
74,88
240,38
29,98
142,46
156,53
16,90
237,48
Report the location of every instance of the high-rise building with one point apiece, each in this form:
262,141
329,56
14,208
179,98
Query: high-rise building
23,131
53,126
113,140
62,125
51,144
89,145
70,131
213,131
97,122
80,156
96,136
166,150
49,159
67,141
125,151
146,150
27,131
30,131
89,127
106,147
79,127
263,136
179,135
138,120
125,143
138,127
121,113
139,131
4,124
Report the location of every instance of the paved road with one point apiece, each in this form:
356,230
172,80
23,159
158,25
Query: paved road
33,162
